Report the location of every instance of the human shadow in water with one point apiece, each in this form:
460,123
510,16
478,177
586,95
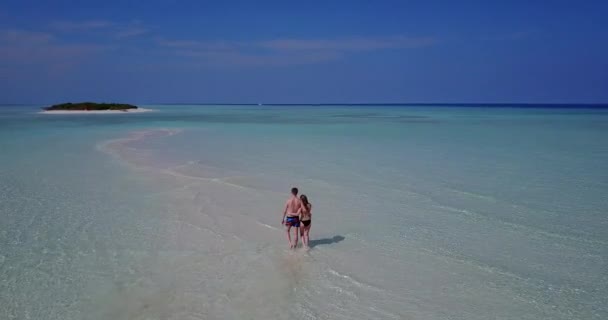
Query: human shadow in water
335,239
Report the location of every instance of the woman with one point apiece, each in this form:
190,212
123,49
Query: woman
305,219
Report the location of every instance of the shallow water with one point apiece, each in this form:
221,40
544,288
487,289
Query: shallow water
419,213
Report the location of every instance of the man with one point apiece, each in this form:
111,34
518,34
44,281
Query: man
291,216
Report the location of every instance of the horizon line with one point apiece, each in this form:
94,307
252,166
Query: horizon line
477,104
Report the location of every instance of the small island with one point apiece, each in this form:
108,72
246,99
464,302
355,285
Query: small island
91,107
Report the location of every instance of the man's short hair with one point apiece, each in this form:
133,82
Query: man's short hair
294,191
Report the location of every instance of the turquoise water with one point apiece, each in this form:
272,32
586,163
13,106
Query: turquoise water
420,213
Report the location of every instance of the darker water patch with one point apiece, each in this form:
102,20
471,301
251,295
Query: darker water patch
377,116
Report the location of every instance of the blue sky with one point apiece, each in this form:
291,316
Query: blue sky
304,52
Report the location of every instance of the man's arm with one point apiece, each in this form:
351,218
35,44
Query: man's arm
284,213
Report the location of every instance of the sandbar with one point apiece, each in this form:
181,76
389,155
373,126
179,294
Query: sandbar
138,110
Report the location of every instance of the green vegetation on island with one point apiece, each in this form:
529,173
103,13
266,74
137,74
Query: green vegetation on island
90,106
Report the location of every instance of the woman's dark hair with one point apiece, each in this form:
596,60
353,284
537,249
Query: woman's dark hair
304,200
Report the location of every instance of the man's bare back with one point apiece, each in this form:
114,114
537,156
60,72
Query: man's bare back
293,205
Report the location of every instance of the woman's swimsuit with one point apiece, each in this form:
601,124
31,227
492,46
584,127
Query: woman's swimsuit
306,216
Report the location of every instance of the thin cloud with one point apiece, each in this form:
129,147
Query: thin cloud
514,36
179,43
28,48
202,45
131,31
236,58
350,44
235,53
101,27
519,35
72,26
287,51
24,37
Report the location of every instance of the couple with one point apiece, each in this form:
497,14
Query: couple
297,210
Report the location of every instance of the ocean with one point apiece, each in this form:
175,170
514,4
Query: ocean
419,212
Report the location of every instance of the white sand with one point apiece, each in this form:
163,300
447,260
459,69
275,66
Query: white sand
138,110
